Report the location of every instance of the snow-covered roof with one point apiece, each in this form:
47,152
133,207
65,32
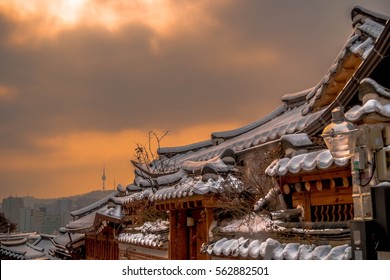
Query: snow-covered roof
215,164
63,239
94,206
148,239
138,196
359,12
195,185
152,234
133,187
368,85
271,249
45,242
96,220
375,98
16,236
291,99
31,246
305,111
370,107
357,49
235,132
321,159
291,121
296,140
22,250
183,149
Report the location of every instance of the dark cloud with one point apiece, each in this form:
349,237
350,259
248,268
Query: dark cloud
90,78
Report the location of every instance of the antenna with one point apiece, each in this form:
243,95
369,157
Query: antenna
104,176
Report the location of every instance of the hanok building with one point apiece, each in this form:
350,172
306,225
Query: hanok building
32,246
28,246
98,223
270,189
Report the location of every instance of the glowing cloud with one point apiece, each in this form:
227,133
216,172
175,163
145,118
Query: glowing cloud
43,18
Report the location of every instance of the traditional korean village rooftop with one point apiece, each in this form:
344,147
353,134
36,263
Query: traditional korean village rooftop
270,189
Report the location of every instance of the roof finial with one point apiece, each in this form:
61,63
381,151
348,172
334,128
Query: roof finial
104,176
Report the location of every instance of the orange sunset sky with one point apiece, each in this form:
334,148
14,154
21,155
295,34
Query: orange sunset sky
82,80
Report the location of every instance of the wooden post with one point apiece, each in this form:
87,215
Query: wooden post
172,235
209,220
307,207
182,236
178,235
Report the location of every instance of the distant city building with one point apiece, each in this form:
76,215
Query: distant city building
31,220
25,215
63,208
10,208
52,224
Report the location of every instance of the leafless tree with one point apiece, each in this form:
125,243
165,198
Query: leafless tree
239,202
146,155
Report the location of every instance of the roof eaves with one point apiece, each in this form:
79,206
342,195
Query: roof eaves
381,46
94,206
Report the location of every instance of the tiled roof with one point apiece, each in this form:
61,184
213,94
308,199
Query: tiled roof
94,206
133,197
149,239
375,98
235,132
196,185
291,121
215,164
64,239
95,221
184,149
22,250
321,159
370,107
357,49
152,234
273,249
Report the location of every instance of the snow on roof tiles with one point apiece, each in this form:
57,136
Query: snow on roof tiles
197,166
361,43
186,148
368,85
153,234
192,186
289,122
375,98
372,106
133,187
63,239
171,178
132,197
249,127
149,239
22,251
359,13
321,159
273,249
88,222
95,205
296,96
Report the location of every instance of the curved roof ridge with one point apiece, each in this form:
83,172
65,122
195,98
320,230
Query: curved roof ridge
359,11
355,51
297,97
93,206
241,130
185,148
